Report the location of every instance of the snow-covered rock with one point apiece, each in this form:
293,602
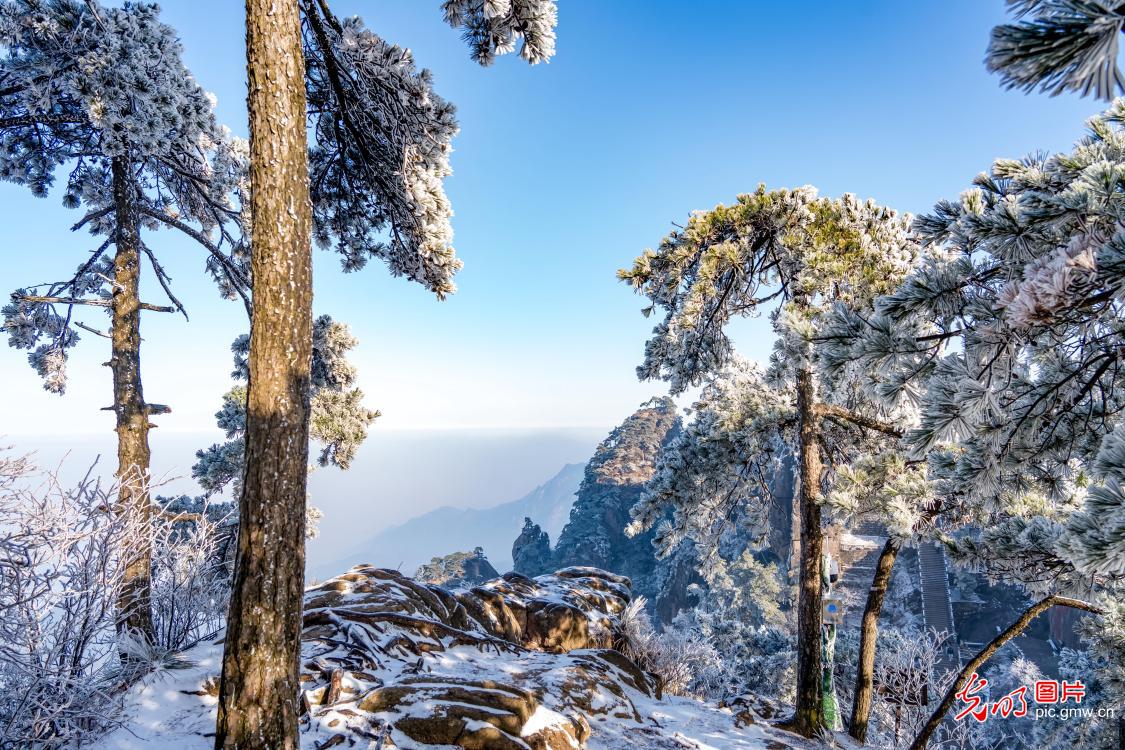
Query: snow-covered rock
516,663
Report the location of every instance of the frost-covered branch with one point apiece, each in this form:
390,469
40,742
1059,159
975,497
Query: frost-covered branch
33,299
1067,45
494,27
382,144
1008,338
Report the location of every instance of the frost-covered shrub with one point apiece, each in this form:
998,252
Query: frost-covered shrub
908,665
190,576
62,558
759,660
682,659
744,612
58,562
738,639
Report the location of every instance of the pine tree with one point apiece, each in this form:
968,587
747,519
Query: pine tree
1013,324
339,421
1013,321
258,690
102,94
370,187
804,254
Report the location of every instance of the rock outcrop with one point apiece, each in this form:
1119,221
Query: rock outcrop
458,569
531,552
514,663
615,478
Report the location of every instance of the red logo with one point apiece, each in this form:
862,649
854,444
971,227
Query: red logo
977,708
1015,702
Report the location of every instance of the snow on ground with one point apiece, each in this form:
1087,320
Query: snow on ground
860,541
513,663
170,710
682,723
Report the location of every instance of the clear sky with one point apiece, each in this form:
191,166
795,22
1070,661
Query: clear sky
563,173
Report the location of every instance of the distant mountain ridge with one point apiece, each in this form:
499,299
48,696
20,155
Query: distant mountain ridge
446,529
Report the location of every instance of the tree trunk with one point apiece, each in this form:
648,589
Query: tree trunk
809,718
869,632
134,608
258,696
975,663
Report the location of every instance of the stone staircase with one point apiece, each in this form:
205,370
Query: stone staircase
858,554
858,566
937,609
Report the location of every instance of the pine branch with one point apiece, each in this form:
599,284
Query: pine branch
870,423
21,121
163,278
234,274
90,217
92,330
149,409
92,302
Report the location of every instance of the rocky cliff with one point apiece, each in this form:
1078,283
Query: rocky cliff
595,534
531,552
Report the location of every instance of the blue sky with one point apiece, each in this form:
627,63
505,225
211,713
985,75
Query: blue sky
563,173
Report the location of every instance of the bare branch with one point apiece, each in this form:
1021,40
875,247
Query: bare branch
870,423
92,302
91,329
234,274
163,278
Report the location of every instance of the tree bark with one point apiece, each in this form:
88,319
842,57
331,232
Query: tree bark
869,633
134,607
975,663
258,699
809,717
